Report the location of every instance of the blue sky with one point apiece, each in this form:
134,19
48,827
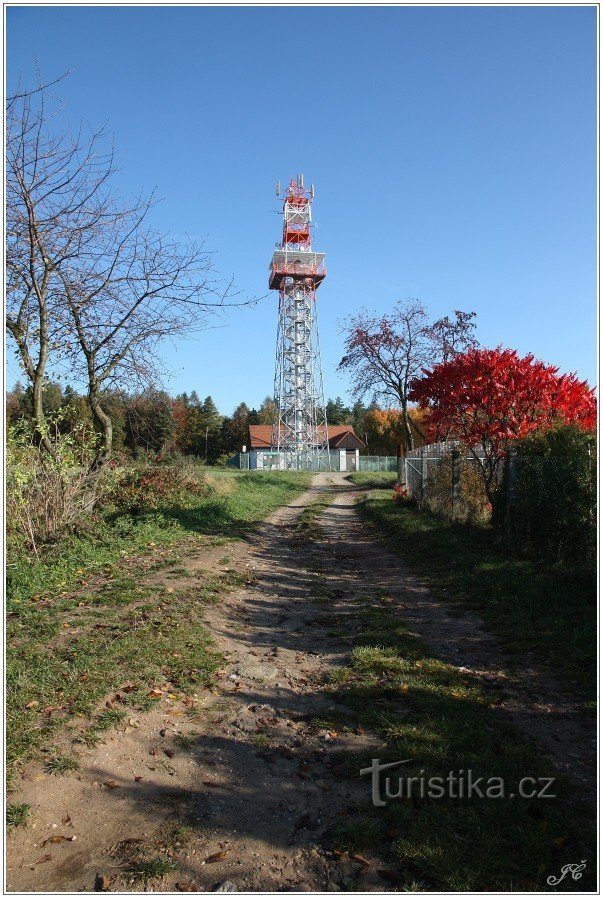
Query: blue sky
452,148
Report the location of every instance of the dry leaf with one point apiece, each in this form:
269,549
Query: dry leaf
138,779
44,859
32,704
218,856
101,883
66,819
54,840
129,687
111,784
360,860
154,693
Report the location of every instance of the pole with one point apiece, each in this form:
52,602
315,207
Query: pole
401,472
456,482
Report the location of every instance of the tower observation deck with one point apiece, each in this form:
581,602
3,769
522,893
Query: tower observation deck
296,271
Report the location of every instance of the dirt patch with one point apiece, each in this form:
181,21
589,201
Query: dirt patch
240,782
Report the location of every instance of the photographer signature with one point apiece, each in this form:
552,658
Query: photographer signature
574,869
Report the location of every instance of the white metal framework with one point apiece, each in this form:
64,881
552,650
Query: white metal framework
296,271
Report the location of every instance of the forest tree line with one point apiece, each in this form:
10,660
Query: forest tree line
153,423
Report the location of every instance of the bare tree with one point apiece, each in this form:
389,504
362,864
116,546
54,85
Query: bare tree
384,354
90,284
53,194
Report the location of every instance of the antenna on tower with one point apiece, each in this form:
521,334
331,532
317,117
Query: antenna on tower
300,180
312,190
278,188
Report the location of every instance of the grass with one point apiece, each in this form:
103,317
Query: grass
153,868
442,720
17,814
306,526
87,621
373,479
60,764
530,606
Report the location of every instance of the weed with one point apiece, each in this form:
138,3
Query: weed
59,764
17,814
185,741
153,868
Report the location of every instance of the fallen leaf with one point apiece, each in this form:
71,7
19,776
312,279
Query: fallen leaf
138,779
360,860
168,752
185,887
111,784
154,693
101,883
129,687
44,859
32,704
404,687
54,840
213,858
66,819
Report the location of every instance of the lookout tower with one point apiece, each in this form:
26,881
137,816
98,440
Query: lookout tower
296,271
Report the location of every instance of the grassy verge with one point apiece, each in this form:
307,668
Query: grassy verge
87,620
442,720
531,607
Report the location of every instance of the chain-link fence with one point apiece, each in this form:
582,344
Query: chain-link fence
544,495
447,479
377,463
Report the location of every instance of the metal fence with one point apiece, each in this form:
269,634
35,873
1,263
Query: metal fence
377,463
545,504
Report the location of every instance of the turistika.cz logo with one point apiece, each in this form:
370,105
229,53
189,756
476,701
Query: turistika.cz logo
456,784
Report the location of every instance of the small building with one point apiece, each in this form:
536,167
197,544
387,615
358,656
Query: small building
344,446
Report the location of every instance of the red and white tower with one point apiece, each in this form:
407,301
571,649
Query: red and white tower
296,271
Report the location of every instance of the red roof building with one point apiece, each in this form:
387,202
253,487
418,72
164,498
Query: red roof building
341,436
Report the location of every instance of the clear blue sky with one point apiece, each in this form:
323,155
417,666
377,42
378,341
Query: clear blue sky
453,152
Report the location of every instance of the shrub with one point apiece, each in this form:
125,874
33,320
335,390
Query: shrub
554,515
46,494
473,506
153,486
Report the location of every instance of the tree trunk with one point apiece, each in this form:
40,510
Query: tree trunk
103,420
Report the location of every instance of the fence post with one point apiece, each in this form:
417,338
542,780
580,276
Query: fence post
423,472
401,466
456,482
511,492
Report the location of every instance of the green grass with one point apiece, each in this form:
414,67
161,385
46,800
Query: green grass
442,720
373,479
85,621
153,868
60,764
306,526
17,814
531,607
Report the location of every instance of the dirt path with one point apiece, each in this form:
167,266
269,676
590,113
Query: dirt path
251,775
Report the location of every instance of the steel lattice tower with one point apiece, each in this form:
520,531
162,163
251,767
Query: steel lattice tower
296,271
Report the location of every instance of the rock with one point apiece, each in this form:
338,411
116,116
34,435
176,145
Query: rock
226,886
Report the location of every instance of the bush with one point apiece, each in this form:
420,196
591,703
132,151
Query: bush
46,494
554,515
473,506
153,486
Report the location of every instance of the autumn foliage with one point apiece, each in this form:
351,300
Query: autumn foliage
490,397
